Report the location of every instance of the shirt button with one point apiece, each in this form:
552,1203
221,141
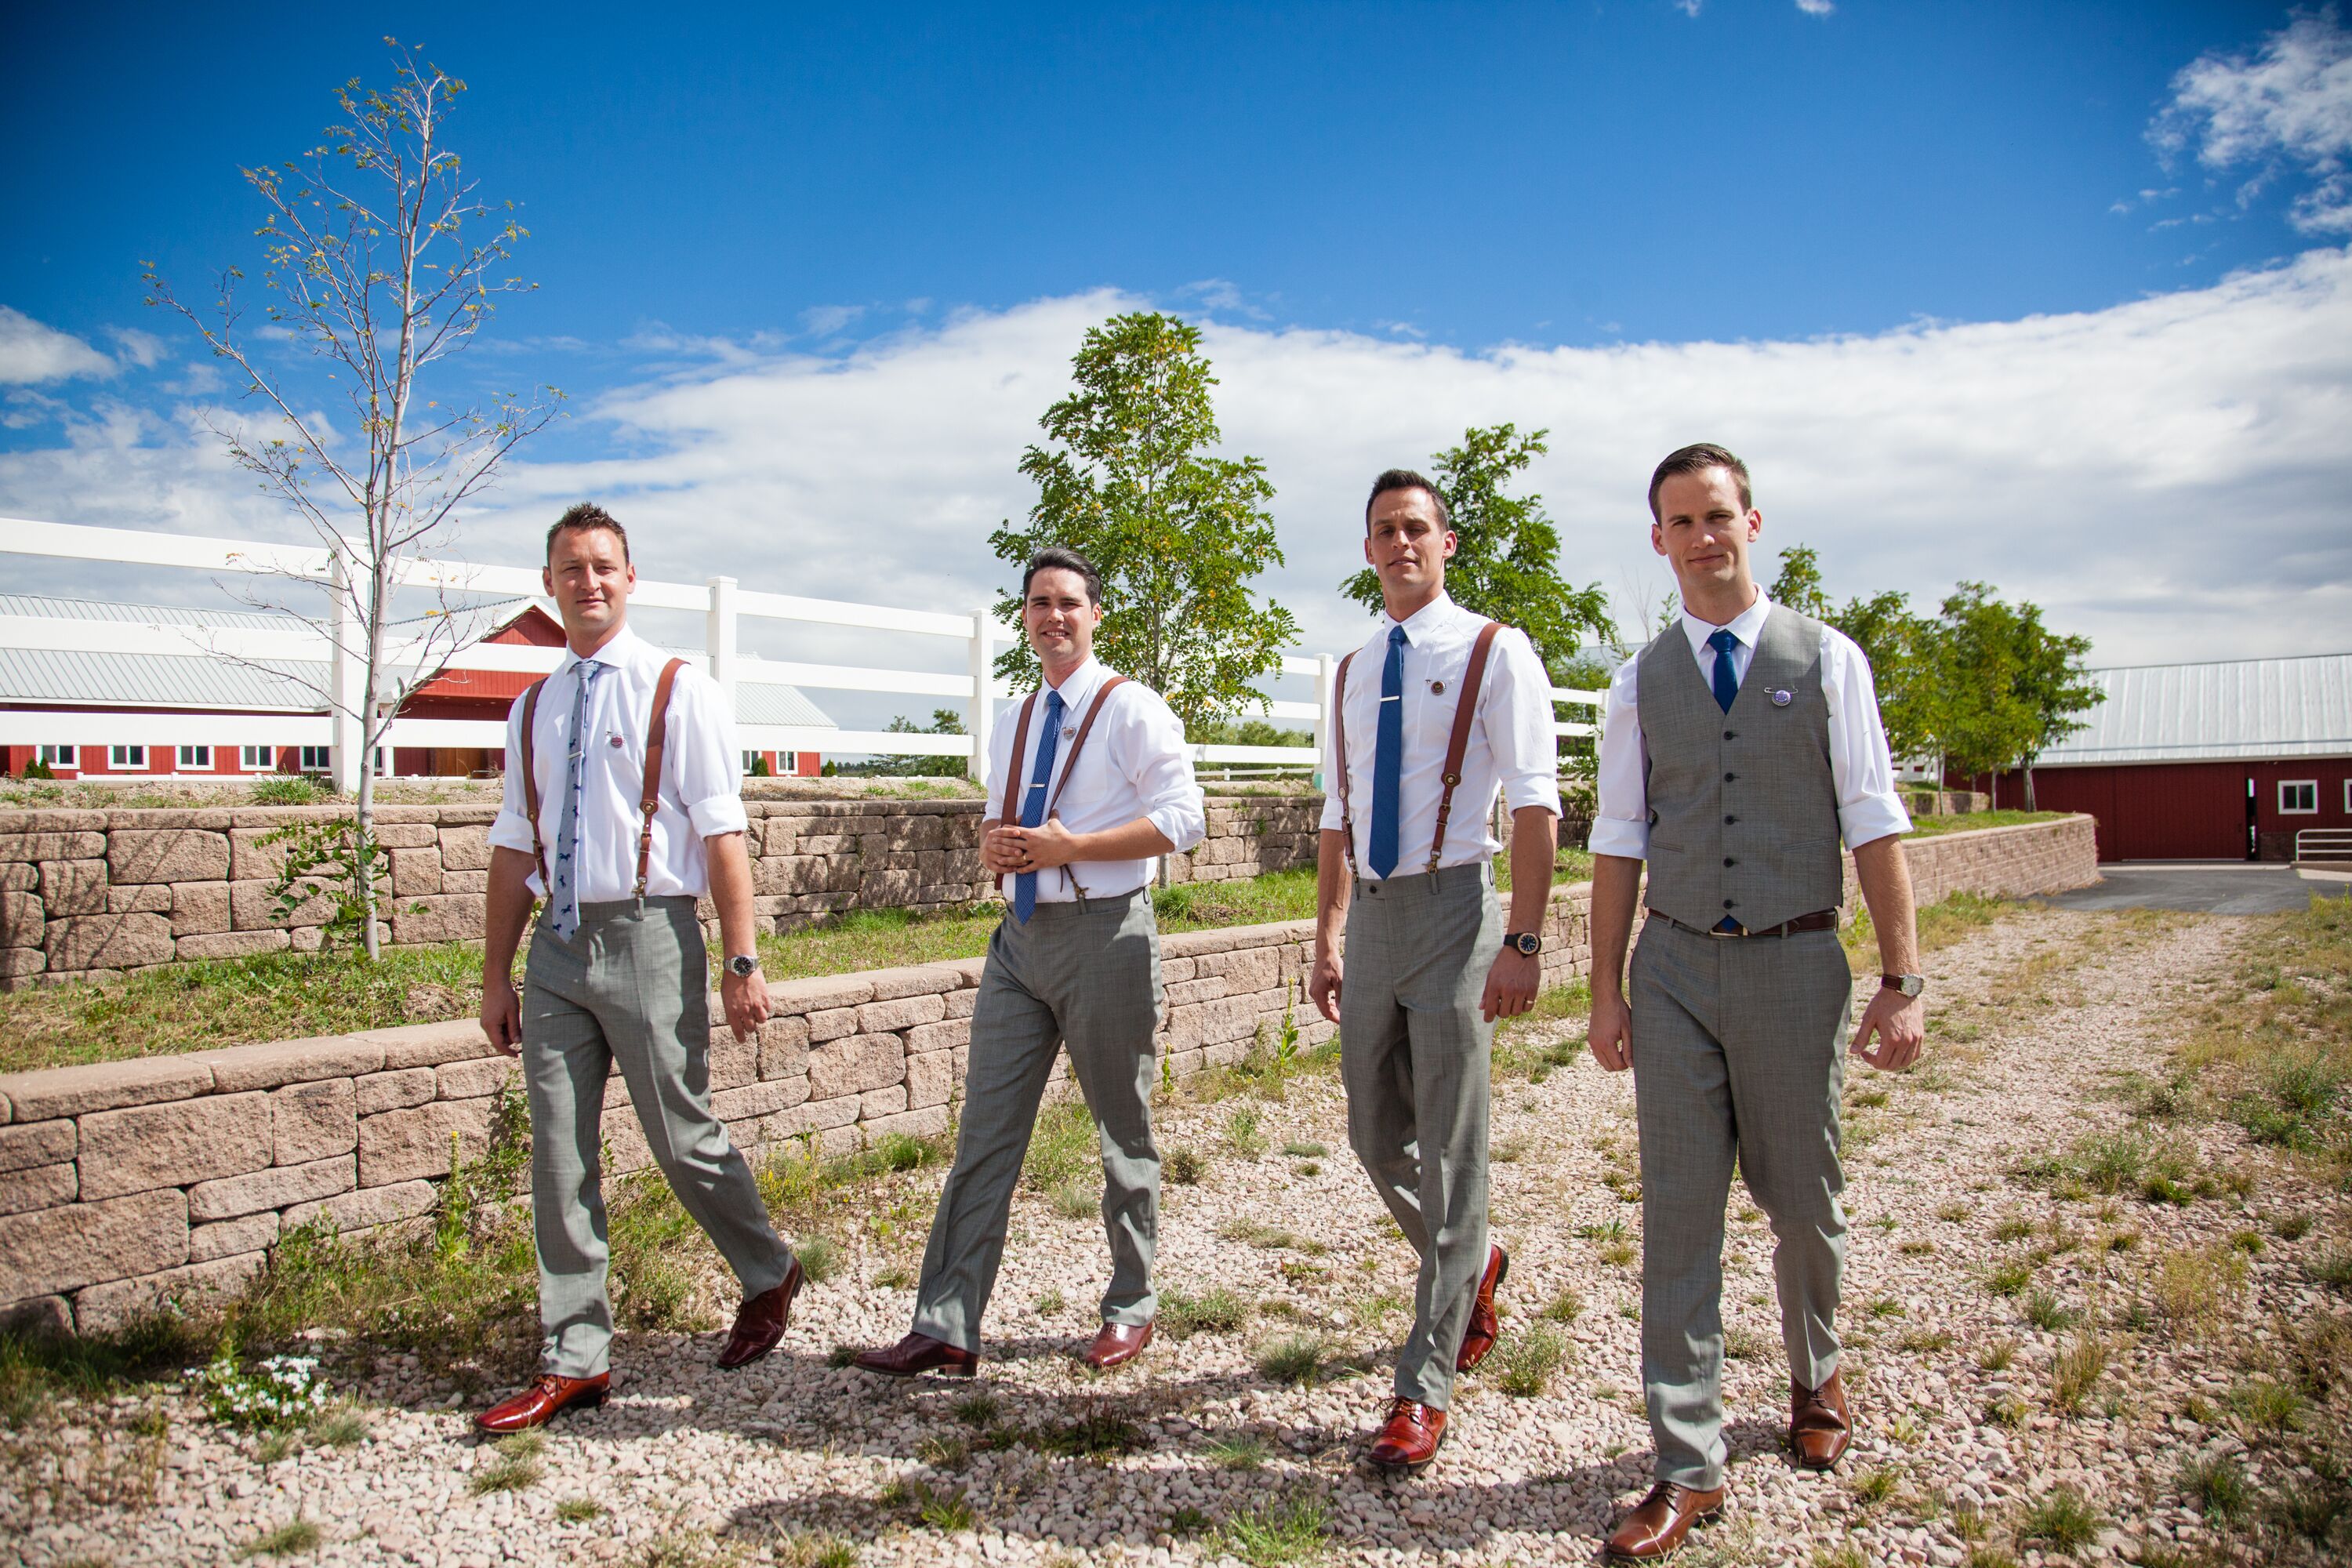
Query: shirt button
1728,821
1729,777
1730,736
1729,861
1729,903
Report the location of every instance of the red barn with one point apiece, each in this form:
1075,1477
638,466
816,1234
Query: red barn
2249,759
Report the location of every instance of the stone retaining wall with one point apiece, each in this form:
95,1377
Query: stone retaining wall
89,893
128,1184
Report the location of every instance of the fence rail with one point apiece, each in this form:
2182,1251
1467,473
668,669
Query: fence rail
724,602
2323,844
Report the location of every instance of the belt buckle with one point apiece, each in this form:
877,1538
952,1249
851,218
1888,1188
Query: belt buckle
1718,932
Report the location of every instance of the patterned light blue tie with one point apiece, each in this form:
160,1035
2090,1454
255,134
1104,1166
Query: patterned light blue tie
565,897
1726,679
1387,758
1033,808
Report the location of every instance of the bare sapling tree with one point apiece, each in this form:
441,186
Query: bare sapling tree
380,260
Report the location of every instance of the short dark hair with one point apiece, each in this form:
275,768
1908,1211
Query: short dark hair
1055,558
1695,459
1406,480
587,514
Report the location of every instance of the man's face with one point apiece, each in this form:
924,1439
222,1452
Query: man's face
1059,617
1703,531
1406,545
589,577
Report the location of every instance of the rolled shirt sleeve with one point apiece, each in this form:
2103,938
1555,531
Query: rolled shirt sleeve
1621,817
1527,752
1334,777
706,764
1861,768
512,828
1159,766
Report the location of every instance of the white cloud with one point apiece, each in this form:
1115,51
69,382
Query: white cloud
32,353
1815,7
2167,475
827,320
1687,7
2288,102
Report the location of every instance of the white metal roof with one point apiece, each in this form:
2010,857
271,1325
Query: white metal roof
50,674
2242,708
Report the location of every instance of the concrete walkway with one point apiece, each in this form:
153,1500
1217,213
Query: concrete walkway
2207,886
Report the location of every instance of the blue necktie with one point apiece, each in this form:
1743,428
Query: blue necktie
1387,757
1033,809
1726,679
563,899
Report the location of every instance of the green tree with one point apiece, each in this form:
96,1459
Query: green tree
1890,637
2055,683
1984,720
1127,479
1507,552
944,721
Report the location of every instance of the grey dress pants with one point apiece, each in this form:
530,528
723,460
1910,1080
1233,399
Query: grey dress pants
1085,975
629,990
1738,1051
1415,1057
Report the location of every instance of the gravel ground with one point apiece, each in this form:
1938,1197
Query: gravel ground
2033,1021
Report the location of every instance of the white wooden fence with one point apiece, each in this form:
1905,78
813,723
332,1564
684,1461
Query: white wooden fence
724,602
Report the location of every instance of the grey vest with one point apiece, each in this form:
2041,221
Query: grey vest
1743,812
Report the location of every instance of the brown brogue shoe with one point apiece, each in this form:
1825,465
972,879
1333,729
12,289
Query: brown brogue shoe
1117,1344
918,1353
537,1406
1662,1520
1485,1326
760,1326
1819,1424
1411,1439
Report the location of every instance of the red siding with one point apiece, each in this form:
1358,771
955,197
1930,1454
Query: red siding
2184,811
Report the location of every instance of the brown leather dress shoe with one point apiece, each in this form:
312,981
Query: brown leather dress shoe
1117,1344
918,1353
1819,1425
1411,1439
760,1326
537,1404
1485,1326
1658,1525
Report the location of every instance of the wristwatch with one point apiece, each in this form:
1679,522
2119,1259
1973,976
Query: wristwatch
1527,941
1909,985
743,964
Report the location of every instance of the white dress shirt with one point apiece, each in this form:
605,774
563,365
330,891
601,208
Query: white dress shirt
1861,772
1512,747
701,783
1135,764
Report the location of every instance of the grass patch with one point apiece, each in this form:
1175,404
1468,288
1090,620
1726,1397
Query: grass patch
294,1535
2216,1485
2076,1371
1242,1134
2193,1289
1997,1356
2010,1277
579,1510
1270,1238
1217,1312
2049,1314
1184,1167
516,1467
2063,1519
1565,1306
1241,1451
1293,1527
1526,1360
1292,1359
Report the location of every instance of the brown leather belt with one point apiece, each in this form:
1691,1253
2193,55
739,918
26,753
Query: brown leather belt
1820,919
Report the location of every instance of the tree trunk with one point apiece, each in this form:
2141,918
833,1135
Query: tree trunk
2029,786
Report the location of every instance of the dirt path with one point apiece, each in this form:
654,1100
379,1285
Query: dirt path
1193,1456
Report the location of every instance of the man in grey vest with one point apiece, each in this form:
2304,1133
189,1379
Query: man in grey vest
622,808
1440,713
1737,750
1088,786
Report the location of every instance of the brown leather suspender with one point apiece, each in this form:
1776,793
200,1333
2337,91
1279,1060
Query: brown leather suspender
1464,709
657,736
649,799
1013,770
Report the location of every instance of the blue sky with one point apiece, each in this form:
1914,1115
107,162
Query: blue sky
826,265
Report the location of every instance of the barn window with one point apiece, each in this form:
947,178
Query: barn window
195,756
256,759
126,756
62,756
2298,797
317,759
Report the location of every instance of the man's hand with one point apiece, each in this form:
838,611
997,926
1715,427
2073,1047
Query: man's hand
1042,847
1323,985
1610,1033
1511,984
1901,1025
1000,850
746,998
502,1014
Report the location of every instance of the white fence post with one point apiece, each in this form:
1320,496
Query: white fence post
719,638
983,677
349,680
1324,665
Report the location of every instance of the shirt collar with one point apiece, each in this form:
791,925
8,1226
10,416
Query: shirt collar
1422,621
1747,626
1080,685
616,653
